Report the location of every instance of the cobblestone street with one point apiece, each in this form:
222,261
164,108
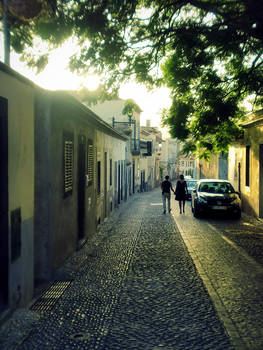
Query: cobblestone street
133,286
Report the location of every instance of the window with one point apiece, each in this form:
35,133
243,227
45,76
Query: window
90,161
110,172
247,165
98,177
68,163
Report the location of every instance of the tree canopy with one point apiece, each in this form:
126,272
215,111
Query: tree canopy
208,52
130,106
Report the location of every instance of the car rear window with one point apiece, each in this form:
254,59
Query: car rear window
216,187
191,183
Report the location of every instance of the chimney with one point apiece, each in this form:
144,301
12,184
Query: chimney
148,123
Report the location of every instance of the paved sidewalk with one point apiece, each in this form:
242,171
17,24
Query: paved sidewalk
134,286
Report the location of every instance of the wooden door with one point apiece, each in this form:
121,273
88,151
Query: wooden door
4,246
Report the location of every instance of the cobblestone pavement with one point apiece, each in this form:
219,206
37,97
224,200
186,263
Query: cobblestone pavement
247,233
230,271
134,286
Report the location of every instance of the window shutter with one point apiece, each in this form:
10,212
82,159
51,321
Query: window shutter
90,153
68,164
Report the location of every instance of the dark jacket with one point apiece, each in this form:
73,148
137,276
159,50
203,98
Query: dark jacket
181,190
166,186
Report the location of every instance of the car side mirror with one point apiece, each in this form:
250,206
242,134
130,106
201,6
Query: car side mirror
238,193
194,191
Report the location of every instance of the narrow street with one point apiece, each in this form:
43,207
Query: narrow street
151,281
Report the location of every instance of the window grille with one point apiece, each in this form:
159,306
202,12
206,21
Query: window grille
90,162
68,166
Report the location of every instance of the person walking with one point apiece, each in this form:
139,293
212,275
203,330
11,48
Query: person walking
181,192
166,187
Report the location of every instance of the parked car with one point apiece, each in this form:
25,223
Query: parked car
212,195
190,186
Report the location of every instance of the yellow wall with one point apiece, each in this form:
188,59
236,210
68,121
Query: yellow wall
20,96
253,136
250,195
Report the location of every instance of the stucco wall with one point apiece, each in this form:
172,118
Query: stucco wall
253,136
56,215
20,96
233,158
215,168
250,195
210,169
116,150
43,193
64,209
58,232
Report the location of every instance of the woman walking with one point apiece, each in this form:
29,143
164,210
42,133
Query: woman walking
181,192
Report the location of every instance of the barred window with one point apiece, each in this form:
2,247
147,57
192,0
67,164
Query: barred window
90,161
68,164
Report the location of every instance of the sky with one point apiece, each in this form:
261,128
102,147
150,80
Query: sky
56,76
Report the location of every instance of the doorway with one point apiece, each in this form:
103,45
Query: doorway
119,182
105,184
239,177
133,176
142,186
81,185
4,247
261,181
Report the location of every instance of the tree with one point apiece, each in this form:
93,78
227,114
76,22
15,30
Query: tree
130,107
91,97
209,52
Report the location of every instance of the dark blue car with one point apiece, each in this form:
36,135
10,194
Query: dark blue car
212,195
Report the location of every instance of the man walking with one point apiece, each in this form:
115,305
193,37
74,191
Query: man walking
166,187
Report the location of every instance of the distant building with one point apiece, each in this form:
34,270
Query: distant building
111,113
173,162
169,158
186,165
151,140
143,148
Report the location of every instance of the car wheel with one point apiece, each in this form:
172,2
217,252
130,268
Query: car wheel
196,212
238,215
